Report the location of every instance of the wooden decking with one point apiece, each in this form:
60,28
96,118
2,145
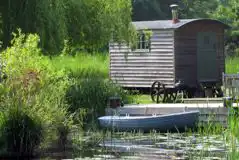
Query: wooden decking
203,100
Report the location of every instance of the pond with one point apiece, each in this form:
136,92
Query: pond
167,146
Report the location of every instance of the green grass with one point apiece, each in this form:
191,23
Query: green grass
97,65
141,99
232,65
84,65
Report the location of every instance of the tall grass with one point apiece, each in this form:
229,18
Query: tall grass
84,65
207,143
21,134
49,91
33,105
232,65
91,95
90,85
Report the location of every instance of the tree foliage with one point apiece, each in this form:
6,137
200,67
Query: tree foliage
47,18
197,8
158,10
98,21
88,23
151,9
228,12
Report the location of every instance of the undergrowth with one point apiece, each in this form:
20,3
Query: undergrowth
44,98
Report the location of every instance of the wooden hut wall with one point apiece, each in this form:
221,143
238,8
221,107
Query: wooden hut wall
186,50
140,69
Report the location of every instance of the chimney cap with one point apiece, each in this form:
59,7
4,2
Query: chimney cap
174,13
173,5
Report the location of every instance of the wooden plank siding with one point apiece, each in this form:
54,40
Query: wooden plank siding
140,69
186,50
172,55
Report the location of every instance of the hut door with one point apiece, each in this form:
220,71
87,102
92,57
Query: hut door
206,57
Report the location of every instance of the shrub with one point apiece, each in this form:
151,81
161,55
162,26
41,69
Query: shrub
91,95
21,134
43,112
36,88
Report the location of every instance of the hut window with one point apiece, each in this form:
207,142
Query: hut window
142,42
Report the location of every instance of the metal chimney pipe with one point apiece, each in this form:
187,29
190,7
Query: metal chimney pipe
174,8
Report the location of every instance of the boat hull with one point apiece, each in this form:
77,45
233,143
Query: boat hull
170,122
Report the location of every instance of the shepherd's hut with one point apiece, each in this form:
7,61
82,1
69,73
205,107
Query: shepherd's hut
191,50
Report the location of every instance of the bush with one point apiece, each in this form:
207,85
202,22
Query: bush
20,133
44,92
43,112
91,95
37,89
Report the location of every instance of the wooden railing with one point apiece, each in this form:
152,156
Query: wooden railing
230,85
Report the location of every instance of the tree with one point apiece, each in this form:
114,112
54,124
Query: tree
228,12
47,18
87,23
152,9
97,21
160,9
197,8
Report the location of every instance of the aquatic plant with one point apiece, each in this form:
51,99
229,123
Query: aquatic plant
21,134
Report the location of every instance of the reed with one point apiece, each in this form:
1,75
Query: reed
208,141
33,109
91,95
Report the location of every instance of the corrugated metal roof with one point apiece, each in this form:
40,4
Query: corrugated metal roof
167,24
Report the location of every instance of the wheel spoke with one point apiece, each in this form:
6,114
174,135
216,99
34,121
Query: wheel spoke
157,99
157,91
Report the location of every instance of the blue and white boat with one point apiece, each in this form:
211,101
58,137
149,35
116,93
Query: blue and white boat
168,122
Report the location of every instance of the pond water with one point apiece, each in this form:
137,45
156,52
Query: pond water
164,146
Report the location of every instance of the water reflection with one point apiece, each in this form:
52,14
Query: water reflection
165,146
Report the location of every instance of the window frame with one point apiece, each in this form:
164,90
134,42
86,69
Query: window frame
142,44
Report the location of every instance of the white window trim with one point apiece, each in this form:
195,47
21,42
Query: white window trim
140,42
140,50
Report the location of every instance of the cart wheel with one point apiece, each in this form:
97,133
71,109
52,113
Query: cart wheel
171,97
218,92
157,91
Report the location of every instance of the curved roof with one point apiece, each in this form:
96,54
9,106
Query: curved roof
167,24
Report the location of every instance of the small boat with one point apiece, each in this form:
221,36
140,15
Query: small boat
168,122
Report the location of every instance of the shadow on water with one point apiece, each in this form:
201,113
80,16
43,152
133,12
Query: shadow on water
154,145
166,146
145,145
138,145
